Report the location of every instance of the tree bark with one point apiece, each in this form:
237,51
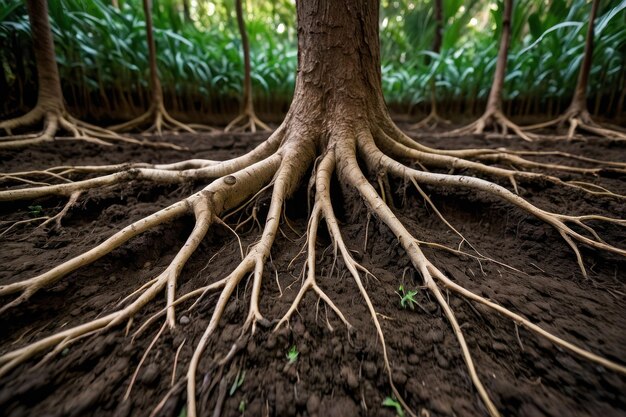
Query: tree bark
495,95
339,76
245,44
155,82
438,14
579,100
50,96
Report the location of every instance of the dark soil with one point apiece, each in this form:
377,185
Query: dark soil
336,373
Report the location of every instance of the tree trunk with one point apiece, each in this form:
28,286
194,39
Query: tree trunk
50,96
579,101
438,14
495,95
247,80
186,11
155,83
339,76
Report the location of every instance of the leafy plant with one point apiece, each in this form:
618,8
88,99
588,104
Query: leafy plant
238,382
292,355
35,211
393,403
407,297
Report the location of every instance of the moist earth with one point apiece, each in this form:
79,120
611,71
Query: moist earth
337,372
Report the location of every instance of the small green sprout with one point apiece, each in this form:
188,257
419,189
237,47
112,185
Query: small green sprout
238,382
407,297
242,406
183,412
35,211
292,355
393,403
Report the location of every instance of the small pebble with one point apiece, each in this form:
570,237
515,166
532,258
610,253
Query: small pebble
184,320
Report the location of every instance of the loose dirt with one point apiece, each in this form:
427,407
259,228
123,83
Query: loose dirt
336,373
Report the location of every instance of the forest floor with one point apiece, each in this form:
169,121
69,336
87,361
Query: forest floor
337,373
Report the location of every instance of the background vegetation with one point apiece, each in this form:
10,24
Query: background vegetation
102,55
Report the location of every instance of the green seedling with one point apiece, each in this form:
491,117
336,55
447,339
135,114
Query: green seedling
238,382
393,403
407,298
35,211
183,412
292,355
242,406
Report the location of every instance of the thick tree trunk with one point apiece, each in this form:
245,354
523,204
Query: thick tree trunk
579,100
339,76
495,95
155,83
245,44
50,96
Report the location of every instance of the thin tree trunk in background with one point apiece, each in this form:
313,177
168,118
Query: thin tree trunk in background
438,38
115,3
495,95
247,80
186,11
579,100
437,42
155,83
49,96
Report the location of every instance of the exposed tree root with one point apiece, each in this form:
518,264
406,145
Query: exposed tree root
494,119
430,122
281,164
247,120
158,120
55,122
579,120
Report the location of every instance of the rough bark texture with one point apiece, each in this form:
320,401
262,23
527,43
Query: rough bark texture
50,97
495,95
339,77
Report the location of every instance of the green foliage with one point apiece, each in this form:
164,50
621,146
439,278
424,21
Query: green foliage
241,376
35,211
102,51
407,297
292,355
393,403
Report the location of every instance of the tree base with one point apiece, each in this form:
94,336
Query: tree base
158,120
430,122
579,120
492,119
57,121
246,121
353,151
